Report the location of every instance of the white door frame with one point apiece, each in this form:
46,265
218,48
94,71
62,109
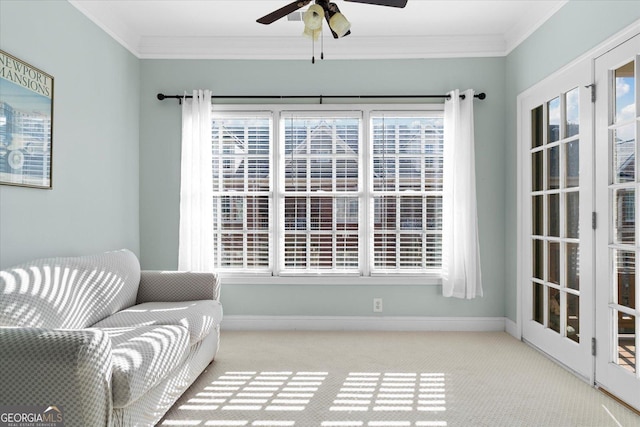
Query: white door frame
522,145
609,375
576,356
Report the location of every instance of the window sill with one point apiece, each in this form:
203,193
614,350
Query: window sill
331,280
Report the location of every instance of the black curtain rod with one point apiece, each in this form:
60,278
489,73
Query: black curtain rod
162,96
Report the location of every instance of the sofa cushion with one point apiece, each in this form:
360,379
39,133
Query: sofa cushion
142,357
199,317
68,293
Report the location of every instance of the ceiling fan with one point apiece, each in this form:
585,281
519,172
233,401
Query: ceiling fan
337,22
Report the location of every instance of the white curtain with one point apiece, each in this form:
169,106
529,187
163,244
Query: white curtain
195,250
461,276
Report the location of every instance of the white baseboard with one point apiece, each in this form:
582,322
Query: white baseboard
511,328
362,323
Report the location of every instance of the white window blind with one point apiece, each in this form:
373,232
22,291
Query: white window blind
407,192
321,181
242,196
32,157
307,192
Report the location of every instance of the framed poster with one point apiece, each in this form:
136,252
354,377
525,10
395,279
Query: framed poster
26,123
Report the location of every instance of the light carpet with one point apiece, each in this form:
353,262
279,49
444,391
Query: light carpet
389,379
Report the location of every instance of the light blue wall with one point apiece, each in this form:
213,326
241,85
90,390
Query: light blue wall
574,30
105,110
93,205
160,165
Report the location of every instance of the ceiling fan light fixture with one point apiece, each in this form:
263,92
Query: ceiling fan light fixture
314,34
313,17
339,24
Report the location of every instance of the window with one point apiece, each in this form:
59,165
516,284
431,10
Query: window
320,184
407,192
354,192
242,196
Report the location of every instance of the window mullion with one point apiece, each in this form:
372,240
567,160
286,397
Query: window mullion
308,229
398,229
334,187
275,222
245,196
365,189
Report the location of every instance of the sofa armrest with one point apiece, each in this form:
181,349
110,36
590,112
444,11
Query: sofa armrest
69,369
173,286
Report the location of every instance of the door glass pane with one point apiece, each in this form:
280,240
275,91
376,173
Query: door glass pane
537,176
537,136
537,204
624,267
554,309
572,214
626,341
624,215
572,163
553,168
572,102
554,262
538,303
625,93
554,120
624,150
554,215
538,259
573,266
573,317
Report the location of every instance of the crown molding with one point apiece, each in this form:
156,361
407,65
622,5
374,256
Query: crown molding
113,27
518,33
301,48
298,47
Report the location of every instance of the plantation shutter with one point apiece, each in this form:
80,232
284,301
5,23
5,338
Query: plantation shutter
242,191
407,192
320,186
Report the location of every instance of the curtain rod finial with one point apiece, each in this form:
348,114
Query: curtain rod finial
161,96
481,95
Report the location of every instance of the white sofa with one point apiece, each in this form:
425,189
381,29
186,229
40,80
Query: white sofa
108,344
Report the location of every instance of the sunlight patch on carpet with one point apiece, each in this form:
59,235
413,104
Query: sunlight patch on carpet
353,399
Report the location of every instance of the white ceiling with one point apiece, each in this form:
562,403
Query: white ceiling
227,29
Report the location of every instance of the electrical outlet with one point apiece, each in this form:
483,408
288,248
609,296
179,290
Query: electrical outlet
377,305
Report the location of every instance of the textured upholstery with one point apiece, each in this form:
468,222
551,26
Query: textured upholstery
72,336
199,317
67,368
177,286
150,408
69,293
142,357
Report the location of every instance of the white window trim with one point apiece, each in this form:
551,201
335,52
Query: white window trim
333,279
364,276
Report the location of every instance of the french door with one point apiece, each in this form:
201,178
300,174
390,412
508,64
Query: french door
618,233
556,206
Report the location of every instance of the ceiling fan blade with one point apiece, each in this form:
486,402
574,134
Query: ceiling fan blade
390,3
282,12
